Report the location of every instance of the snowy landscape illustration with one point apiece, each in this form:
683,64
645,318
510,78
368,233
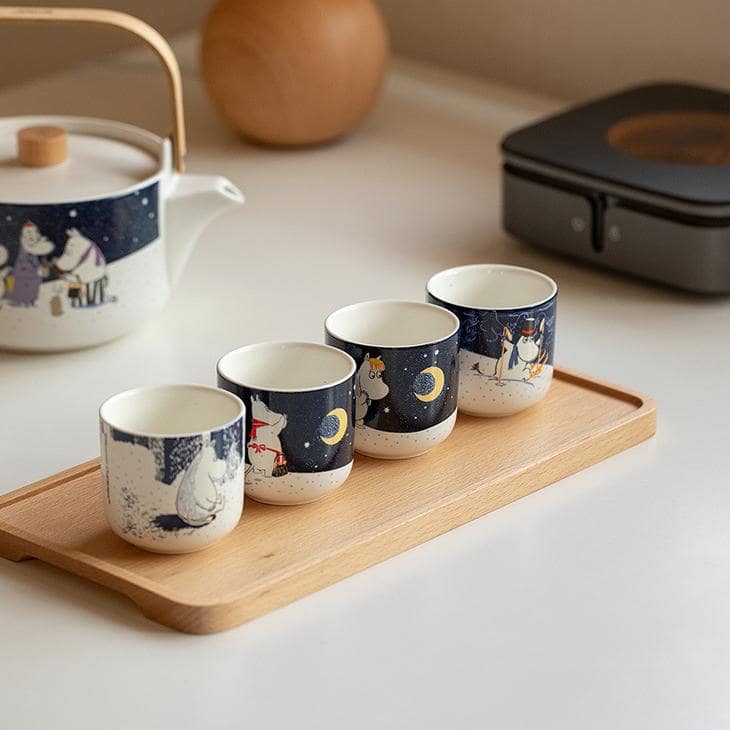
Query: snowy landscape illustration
174,484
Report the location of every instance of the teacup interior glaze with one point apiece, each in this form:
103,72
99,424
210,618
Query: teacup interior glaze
391,323
286,366
171,410
492,286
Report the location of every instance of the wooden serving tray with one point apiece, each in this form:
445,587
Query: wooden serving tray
278,554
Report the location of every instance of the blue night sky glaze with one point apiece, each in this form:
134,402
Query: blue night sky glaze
481,330
307,423
401,411
119,226
174,455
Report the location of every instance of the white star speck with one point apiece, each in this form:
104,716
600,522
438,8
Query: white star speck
72,213
307,444
145,201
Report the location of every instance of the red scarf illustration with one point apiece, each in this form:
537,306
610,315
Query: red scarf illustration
253,435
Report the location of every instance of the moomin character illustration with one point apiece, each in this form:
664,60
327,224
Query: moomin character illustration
83,266
525,352
369,386
4,271
198,500
28,270
264,445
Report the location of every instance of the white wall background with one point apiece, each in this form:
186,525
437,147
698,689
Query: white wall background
26,52
568,48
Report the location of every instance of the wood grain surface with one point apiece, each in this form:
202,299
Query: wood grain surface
279,554
294,72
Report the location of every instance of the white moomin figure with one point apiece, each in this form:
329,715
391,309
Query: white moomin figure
525,353
264,445
198,500
83,266
369,386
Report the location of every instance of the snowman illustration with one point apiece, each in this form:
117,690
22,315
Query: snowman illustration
524,352
264,445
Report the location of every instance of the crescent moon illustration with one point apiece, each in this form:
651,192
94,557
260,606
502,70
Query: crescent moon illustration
428,384
333,426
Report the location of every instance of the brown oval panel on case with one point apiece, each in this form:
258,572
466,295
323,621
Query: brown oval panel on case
678,137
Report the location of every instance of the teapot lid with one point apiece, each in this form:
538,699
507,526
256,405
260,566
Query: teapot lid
58,160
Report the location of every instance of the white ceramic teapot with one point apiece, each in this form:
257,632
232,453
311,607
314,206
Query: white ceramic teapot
97,219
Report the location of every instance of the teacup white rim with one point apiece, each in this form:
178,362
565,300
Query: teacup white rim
173,386
289,343
455,321
528,305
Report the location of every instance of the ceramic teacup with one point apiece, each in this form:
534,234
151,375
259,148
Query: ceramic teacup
407,377
299,417
172,461
507,335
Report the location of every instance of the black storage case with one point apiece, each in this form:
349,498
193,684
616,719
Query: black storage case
573,183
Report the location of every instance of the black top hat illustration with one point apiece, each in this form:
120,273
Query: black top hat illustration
528,327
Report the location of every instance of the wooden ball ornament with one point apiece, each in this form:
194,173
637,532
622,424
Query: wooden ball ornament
294,72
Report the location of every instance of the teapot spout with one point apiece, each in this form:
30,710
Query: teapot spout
193,202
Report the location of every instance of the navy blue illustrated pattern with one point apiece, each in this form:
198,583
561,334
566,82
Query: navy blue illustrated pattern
303,432
482,331
424,383
174,455
404,389
118,226
329,426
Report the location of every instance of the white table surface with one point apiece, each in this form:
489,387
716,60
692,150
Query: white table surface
602,601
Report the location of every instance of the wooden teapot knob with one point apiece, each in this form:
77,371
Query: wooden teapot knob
41,146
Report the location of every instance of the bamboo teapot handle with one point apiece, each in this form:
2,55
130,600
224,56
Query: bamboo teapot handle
135,26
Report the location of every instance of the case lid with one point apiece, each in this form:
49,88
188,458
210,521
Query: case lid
36,167
577,141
